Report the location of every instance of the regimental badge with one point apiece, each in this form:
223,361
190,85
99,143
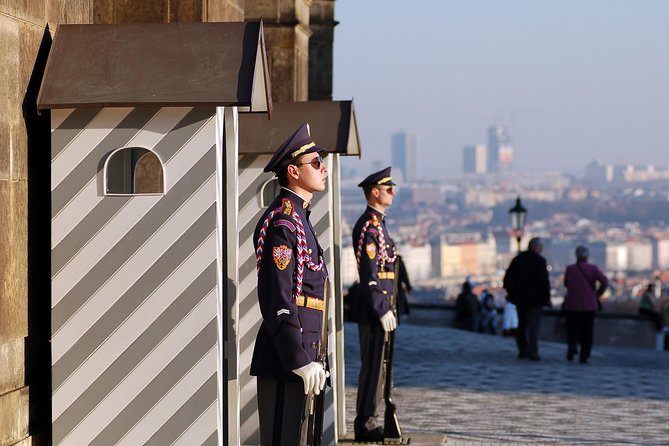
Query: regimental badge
370,248
282,255
286,206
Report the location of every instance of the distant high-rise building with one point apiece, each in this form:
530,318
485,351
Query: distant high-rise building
599,173
500,150
474,159
405,156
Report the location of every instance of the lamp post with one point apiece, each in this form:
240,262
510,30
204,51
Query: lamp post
518,216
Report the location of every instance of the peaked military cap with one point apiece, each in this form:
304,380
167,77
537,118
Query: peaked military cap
299,143
380,178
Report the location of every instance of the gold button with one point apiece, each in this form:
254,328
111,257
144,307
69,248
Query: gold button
385,292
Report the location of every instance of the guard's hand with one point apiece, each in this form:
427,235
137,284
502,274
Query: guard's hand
313,376
388,321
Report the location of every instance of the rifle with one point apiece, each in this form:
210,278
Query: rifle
316,403
391,429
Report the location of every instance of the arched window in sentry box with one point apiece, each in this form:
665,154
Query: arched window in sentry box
269,191
134,171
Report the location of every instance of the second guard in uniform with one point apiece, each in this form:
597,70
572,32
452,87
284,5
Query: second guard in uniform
291,282
375,254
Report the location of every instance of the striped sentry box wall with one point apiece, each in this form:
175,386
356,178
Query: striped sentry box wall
134,282
251,182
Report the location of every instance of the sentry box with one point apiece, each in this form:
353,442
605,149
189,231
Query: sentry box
144,153
333,127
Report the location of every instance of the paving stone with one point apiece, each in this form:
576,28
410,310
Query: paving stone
472,388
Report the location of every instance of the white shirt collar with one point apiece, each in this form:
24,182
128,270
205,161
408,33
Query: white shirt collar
377,210
296,194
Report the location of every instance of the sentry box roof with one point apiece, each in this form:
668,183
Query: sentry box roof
158,64
332,123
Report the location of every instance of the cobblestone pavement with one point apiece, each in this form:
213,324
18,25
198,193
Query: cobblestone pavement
473,388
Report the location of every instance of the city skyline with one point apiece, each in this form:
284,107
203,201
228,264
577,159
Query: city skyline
404,156
572,81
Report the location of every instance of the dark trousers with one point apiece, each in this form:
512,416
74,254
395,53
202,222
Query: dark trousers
370,391
281,410
579,331
527,335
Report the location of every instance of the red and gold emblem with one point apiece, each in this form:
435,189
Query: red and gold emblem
370,248
282,255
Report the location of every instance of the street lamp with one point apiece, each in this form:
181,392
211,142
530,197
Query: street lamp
518,216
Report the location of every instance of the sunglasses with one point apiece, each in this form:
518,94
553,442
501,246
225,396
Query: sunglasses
388,189
316,163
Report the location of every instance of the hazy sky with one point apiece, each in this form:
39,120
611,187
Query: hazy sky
573,80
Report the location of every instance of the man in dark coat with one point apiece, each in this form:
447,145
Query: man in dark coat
291,282
528,287
375,254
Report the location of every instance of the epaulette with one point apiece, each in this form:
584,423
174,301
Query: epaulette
286,206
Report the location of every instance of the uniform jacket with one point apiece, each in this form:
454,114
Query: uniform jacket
526,281
581,293
375,253
288,334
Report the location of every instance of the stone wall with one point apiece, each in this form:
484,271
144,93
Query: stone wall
26,30
322,26
143,11
287,36
613,329
24,297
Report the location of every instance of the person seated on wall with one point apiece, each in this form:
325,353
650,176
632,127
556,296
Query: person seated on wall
647,307
467,308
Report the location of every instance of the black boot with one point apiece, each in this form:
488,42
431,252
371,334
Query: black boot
367,430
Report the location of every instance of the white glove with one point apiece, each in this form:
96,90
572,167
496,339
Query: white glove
388,321
313,376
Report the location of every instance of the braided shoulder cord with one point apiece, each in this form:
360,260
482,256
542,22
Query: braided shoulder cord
302,256
261,236
383,252
302,250
363,231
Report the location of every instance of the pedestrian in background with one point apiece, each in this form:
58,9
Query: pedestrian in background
488,313
527,286
467,308
585,285
647,305
510,318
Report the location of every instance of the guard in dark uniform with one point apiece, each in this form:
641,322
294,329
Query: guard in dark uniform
291,281
375,254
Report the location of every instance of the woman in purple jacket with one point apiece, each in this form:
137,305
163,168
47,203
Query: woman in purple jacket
585,284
